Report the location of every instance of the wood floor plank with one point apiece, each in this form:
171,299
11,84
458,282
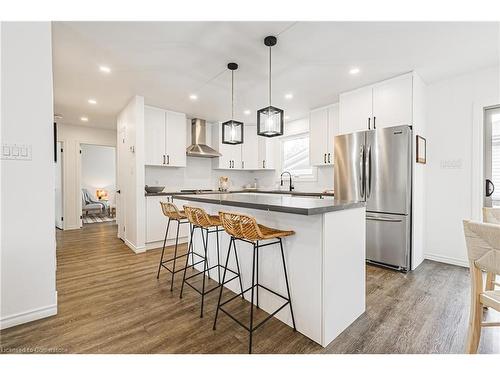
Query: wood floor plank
111,302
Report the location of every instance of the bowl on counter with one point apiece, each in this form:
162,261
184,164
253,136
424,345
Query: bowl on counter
154,189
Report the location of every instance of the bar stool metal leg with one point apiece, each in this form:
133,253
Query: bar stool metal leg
190,249
237,266
163,250
218,254
251,301
223,280
286,281
175,256
205,267
257,271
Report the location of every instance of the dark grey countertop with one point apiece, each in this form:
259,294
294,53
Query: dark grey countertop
273,202
281,192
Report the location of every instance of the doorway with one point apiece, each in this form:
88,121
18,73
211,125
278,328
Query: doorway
491,192
98,183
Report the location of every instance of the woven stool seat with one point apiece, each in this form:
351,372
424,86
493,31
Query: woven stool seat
246,227
199,217
171,211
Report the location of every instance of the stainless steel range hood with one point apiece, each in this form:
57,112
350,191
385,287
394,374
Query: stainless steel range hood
198,146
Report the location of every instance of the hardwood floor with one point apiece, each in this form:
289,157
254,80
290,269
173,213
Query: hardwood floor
111,302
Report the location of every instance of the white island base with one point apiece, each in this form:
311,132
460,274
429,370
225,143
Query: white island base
325,261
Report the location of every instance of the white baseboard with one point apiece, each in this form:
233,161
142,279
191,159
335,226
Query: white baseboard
135,249
448,260
157,244
28,316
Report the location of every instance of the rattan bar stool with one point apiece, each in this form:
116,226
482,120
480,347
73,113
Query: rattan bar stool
173,214
207,224
245,228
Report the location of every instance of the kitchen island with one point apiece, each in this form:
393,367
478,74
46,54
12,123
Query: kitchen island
325,258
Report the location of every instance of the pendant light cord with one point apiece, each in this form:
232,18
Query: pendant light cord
232,94
270,75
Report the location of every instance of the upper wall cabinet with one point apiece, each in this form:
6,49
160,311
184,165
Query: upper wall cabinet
384,104
164,137
231,154
323,126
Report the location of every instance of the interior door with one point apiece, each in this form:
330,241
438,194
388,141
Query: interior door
388,170
349,167
121,179
491,192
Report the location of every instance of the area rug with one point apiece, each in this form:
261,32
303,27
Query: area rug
96,218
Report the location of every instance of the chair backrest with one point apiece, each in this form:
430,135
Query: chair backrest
483,245
241,225
198,216
170,210
491,215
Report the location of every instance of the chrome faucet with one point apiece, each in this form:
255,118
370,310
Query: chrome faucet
290,175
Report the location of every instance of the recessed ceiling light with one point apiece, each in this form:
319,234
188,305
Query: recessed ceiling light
289,96
354,71
105,69
247,112
92,101
84,119
193,96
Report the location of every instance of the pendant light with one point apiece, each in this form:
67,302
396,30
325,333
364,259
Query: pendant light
232,131
270,119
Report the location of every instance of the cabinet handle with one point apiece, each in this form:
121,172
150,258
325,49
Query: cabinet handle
263,164
168,159
369,123
374,127
328,157
242,164
229,163
163,159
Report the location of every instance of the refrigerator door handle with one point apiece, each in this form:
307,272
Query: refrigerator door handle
368,171
361,174
383,219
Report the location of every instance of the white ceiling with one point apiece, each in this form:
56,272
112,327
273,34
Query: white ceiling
167,61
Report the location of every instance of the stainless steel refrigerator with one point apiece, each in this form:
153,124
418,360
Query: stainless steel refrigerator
375,166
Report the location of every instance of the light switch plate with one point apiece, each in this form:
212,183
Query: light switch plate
15,151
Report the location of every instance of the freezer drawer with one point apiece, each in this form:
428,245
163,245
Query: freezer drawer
388,239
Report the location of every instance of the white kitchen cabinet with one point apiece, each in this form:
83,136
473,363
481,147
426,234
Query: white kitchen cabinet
392,102
249,148
231,154
356,109
176,139
384,104
156,222
154,135
164,137
323,126
265,153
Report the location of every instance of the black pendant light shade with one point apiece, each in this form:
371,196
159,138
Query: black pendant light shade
232,130
270,119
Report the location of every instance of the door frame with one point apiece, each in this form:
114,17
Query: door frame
477,157
79,172
61,162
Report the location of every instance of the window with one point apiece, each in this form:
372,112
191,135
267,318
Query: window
295,156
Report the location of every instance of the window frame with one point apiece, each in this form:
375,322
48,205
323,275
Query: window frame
313,177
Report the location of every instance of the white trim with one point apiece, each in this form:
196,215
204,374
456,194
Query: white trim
28,316
447,260
135,249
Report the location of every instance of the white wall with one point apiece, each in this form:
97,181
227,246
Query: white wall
28,249
99,169
131,208
72,136
450,132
